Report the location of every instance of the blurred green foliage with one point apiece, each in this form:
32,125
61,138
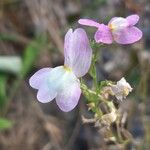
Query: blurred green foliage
5,124
18,66
31,53
3,81
8,37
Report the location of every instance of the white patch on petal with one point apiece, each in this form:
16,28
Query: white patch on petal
60,77
65,83
118,24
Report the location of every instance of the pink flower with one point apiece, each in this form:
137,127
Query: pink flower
119,29
62,82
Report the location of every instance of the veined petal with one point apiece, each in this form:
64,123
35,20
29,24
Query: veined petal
132,19
103,35
39,77
78,53
128,35
88,22
68,98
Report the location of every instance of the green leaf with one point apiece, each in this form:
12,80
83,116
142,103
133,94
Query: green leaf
96,49
3,97
5,124
92,70
95,57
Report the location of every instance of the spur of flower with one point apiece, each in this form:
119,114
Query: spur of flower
119,29
62,82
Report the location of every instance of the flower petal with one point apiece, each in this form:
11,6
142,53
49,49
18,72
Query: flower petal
117,24
69,97
103,35
57,81
88,22
132,19
128,35
112,19
46,94
78,53
38,78
67,86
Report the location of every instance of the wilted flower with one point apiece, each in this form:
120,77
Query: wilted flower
119,29
121,89
109,118
62,82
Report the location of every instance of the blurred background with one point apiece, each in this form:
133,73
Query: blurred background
31,37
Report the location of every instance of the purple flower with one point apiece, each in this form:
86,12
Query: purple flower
62,82
119,29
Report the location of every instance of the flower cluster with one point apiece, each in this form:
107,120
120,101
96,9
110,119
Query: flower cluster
62,82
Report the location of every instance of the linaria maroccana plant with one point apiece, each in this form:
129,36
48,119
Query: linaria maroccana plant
63,82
